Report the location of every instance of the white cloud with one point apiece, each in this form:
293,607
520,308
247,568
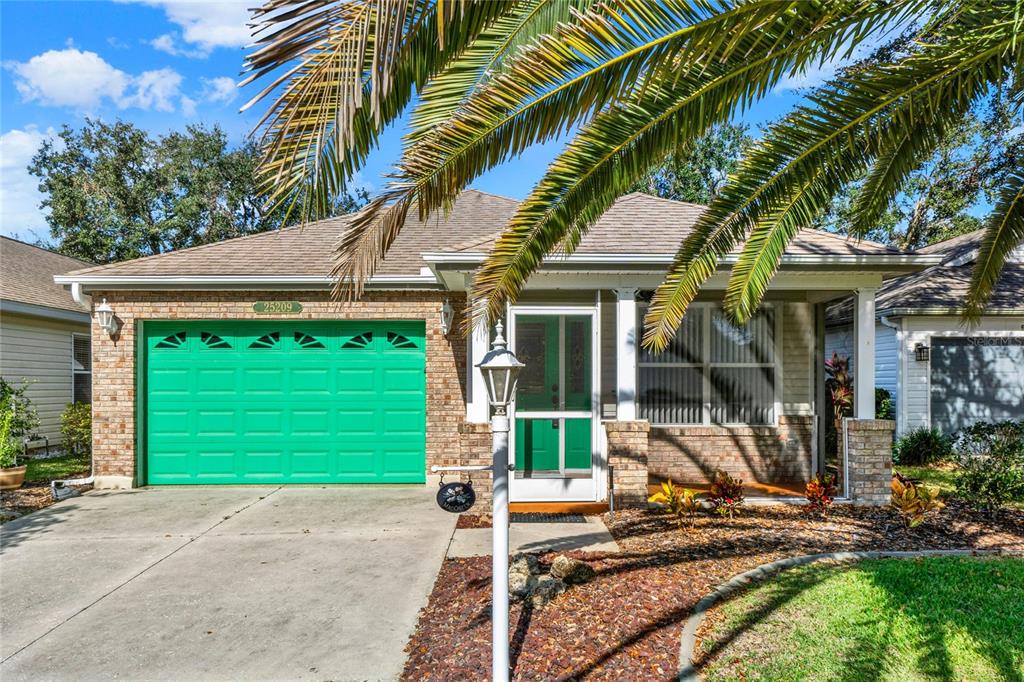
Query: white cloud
204,24
168,43
69,78
155,90
188,106
85,81
220,89
19,191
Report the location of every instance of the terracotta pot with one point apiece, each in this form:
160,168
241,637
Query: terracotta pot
11,479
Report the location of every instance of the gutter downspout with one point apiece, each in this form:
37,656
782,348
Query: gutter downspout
60,490
898,328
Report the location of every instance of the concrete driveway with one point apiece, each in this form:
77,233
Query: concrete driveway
219,583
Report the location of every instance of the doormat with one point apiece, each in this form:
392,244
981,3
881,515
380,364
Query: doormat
537,517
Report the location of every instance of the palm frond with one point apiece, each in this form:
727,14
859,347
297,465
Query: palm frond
485,56
624,142
1003,234
780,185
836,139
349,69
568,76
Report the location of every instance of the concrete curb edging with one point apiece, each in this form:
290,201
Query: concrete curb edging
688,641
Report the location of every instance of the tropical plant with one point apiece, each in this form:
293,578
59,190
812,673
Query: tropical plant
726,494
76,428
820,493
681,503
883,404
839,387
914,503
635,81
922,446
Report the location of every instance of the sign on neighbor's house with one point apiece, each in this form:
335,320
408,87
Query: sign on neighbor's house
274,307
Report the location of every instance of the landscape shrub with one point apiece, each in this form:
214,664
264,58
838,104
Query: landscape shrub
76,428
24,419
991,460
8,444
922,446
726,494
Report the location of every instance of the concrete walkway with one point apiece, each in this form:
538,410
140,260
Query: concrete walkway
592,536
219,583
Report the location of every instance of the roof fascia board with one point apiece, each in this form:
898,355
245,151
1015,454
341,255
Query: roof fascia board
33,310
917,260
234,281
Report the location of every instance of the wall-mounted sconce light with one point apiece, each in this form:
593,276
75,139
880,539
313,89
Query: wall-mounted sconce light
105,318
921,352
447,316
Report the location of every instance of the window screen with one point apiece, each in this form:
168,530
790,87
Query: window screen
81,368
713,372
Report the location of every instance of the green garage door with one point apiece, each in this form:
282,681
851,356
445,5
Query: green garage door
285,402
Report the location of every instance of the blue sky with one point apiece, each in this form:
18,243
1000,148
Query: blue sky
163,64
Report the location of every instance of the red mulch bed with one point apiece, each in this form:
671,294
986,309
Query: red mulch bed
473,521
626,623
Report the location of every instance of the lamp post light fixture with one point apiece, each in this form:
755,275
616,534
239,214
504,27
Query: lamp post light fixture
447,316
105,318
500,368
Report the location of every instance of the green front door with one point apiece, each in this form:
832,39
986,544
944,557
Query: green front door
554,413
284,402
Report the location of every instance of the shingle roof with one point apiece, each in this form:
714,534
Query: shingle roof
956,246
309,249
938,287
642,223
636,223
26,275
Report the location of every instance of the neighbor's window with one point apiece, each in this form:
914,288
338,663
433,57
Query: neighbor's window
81,368
713,372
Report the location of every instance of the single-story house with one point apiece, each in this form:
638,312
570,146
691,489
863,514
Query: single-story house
44,333
232,364
941,373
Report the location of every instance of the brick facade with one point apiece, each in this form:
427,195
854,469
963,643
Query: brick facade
628,457
114,361
475,448
870,460
769,454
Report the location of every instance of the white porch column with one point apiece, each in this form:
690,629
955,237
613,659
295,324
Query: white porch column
625,354
864,354
476,405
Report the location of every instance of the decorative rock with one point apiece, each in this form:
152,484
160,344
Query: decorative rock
522,579
546,589
572,571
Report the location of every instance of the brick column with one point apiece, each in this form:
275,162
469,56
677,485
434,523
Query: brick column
627,454
475,446
869,460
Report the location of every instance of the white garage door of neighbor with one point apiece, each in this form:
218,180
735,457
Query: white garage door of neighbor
976,378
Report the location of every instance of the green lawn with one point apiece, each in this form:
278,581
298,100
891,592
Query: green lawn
892,619
68,466
942,476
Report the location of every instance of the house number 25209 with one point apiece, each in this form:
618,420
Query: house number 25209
277,307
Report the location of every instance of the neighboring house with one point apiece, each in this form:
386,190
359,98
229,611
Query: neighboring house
44,334
233,364
942,374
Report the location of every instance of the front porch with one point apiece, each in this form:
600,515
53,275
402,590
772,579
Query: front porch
749,401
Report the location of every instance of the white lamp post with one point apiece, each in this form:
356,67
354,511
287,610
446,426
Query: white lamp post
501,371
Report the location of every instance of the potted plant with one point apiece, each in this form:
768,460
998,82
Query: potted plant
11,475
